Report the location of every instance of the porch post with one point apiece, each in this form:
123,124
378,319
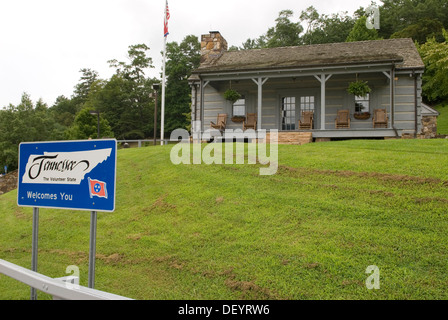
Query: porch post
391,77
323,80
323,103
260,82
392,97
202,104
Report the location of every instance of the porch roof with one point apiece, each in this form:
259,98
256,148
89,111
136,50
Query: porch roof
401,52
428,111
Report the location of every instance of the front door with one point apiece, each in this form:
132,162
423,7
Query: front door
294,103
288,113
307,104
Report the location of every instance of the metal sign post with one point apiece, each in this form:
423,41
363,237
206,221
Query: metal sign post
34,247
92,253
72,175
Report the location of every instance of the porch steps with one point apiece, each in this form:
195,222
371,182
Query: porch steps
292,138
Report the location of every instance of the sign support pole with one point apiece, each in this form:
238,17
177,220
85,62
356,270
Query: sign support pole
34,248
92,253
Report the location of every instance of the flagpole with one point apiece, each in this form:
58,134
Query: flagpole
162,134
162,130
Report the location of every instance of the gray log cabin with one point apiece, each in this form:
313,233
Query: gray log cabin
280,84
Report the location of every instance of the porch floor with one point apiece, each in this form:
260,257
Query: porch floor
354,133
300,137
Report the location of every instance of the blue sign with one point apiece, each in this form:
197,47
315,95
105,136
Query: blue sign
75,175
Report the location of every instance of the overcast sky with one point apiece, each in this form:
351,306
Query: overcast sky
44,43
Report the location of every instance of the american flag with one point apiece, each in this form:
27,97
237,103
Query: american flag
167,17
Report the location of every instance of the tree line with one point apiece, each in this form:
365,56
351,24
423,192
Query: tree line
425,21
126,103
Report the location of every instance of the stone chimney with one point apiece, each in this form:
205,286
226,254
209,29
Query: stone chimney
213,45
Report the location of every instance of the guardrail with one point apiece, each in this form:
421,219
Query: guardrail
58,288
140,142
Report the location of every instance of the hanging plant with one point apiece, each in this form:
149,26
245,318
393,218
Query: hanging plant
359,88
232,96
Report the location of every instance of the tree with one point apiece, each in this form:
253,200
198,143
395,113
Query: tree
25,122
360,32
435,78
181,60
125,99
422,30
319,29
285,33
325,28
85,126
258,43
82,89
63,112
64,109
397,15
130,116
311,17
139,61
335,28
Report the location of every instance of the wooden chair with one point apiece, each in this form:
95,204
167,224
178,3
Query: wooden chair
380,119
250,122
307,120
220,123
343,119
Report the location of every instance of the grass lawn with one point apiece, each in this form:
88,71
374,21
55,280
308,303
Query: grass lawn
442,120
225,232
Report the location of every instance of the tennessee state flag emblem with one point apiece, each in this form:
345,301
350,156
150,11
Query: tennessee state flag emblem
97,188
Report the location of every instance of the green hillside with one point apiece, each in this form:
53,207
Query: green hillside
225,232
442,120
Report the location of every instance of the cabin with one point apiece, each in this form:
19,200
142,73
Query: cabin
303,91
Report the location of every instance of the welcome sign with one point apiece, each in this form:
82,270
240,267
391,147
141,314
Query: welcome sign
77,175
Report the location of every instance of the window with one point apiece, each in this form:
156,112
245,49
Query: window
307,103
288,113
239,107
362,104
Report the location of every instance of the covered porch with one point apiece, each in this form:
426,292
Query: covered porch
279,100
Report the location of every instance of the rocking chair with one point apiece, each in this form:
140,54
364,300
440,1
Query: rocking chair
250,122
220,123
307,120
380,118
343,119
